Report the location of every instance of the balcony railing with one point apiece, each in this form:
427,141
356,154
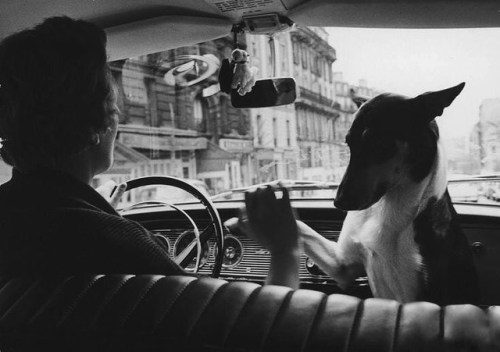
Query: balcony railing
315,97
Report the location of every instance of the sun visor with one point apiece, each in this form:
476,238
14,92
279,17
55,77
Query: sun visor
162,33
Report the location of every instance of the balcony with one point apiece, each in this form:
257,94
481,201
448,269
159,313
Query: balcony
315,97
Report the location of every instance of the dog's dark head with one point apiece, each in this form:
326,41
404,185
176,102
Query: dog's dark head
393,138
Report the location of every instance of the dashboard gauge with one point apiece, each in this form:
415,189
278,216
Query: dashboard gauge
183,241
233,252
164,240
313,268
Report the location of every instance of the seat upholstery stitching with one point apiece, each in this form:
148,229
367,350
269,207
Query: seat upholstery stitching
202,310
219,292
230,323
280,312
148,289
395,335
181,291
320,310
77,300
355,325
24,294
108,298
49,300
251,298
5,282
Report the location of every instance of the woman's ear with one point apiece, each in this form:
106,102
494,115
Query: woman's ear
95,139
432,104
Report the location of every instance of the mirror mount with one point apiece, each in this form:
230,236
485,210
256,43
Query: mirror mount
266,92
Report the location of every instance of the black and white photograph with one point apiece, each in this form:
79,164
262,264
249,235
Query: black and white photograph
249,175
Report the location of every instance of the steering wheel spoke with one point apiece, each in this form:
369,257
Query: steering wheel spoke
194,248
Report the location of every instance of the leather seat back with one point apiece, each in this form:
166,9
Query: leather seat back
153,313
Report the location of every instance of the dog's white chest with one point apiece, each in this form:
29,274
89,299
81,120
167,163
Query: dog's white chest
394,273
390,255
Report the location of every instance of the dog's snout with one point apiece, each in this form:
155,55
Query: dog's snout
344,203
342,200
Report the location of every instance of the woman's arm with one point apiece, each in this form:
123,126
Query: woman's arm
271,222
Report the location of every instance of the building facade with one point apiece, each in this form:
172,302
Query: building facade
175,121
315,108
485,136
275,152
347,109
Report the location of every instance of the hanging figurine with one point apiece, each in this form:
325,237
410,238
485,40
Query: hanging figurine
243,73
237,73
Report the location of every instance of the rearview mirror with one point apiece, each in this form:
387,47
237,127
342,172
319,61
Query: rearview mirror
266,93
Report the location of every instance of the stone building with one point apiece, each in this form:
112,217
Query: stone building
315,109
175,121
485,136
275,151
346,108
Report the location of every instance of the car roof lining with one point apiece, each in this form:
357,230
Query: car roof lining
139,27
398,14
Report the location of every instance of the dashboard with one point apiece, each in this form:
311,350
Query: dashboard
246,260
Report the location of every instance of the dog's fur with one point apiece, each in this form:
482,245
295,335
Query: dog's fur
401,227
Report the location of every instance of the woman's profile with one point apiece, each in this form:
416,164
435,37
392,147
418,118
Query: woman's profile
58,124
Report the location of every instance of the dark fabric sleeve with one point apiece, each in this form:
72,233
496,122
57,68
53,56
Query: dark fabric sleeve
106,243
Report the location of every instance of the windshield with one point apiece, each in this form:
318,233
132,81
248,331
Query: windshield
175,121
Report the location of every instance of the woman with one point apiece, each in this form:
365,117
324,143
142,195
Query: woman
58,123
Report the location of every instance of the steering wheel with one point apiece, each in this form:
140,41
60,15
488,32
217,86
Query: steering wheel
201,237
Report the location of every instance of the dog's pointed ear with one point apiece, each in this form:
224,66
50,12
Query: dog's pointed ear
432,104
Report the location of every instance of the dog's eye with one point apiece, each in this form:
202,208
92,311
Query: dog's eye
366,134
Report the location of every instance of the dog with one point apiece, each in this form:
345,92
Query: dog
401,228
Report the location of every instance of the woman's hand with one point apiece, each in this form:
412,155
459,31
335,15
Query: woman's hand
271,222
112,192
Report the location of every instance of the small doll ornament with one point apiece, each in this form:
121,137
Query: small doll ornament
243,73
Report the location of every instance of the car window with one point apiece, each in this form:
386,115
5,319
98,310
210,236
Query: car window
175,120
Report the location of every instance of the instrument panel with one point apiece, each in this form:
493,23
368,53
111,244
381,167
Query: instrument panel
244,259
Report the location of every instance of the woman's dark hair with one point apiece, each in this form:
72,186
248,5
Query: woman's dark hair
55,91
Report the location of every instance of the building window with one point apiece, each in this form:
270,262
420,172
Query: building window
271,46
288,133
185,156
306,157
197,111
305,123
296,52
259,130
283,58
304,56
254,48
134,86
275,131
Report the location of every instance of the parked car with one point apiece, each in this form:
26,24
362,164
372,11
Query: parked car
165,57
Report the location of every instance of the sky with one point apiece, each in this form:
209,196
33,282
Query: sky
411,62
